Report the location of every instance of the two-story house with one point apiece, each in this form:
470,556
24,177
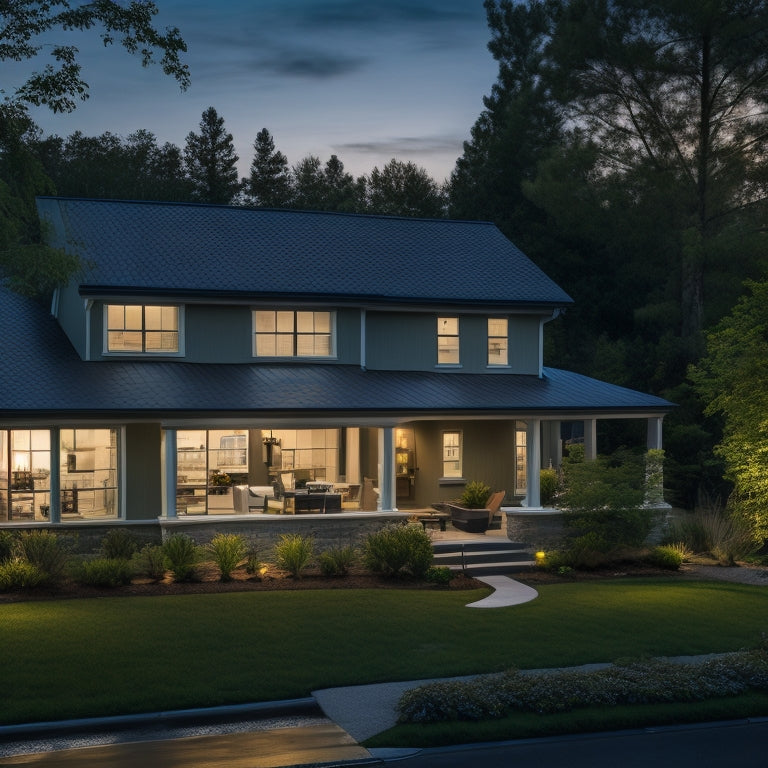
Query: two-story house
205,341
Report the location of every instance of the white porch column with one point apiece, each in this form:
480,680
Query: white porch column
54,479
169,472
653,440
533,462
352,470
590,439
387,469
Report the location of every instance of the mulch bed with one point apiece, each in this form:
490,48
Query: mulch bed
207,582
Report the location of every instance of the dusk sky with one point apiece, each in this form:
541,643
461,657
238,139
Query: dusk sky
367,80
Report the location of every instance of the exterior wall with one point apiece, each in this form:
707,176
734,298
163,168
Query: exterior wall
143,477
215,333
397,341
488,455
71,317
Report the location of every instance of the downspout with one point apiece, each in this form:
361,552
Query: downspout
88,305
555,314
362,339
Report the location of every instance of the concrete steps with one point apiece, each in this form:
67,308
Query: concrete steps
481,558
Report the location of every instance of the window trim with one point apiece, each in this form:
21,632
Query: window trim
452,479
490,364
456,336
332,354
106,351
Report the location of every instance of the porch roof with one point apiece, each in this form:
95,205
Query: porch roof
188,250
43,378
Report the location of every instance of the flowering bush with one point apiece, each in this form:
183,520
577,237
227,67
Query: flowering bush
637,682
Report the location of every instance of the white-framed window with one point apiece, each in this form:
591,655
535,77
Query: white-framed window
448,341
452,454
289,333
521,458
498,341
143,329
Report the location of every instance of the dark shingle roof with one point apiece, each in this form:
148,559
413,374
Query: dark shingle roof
186,248
42,374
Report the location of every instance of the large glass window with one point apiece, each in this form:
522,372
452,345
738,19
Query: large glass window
142,329
88,467
452,454
498,341
88,475
25,469
288,333
448,340
521,458
208,464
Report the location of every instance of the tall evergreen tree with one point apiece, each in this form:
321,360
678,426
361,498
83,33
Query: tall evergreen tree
403,189
269,183
309,191
210,161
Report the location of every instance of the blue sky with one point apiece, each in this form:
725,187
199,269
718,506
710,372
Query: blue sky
365,80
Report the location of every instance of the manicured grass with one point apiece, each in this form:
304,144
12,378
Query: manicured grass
78,658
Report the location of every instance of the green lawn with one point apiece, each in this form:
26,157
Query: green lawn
77,658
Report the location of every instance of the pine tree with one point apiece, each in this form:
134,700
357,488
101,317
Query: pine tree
269,184
210,161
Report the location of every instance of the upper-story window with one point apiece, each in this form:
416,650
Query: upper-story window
288,333
447,340
143,329
498,341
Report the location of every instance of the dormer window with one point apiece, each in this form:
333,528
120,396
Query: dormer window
288,333
447,340
142,329
498,341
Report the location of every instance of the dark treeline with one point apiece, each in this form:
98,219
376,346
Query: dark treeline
622,148
205,170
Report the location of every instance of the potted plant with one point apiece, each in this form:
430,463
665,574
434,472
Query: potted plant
218,482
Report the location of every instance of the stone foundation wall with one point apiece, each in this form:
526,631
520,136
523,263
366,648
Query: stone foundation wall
264,531
539,530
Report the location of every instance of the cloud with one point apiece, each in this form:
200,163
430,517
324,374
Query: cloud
405,146
311,64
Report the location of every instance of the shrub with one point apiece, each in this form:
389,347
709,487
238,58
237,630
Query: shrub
228,551
398,550
633,682
548,485
44,550
119,543
710,529
103,572
181,556
294,552
666,556
337,561
475,496
149,561
440,575
7,545
19,574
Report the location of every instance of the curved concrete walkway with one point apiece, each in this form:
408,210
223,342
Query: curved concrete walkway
506,592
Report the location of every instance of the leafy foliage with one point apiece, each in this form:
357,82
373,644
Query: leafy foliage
149,561
398,551
475,496
103,572
181,555
26,27
633,682
45,551
294,552
17,574
337,561
119,543
228,551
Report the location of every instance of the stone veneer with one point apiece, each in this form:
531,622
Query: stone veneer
264,531
537,530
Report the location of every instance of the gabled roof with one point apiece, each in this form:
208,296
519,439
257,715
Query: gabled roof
41,376
147,248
